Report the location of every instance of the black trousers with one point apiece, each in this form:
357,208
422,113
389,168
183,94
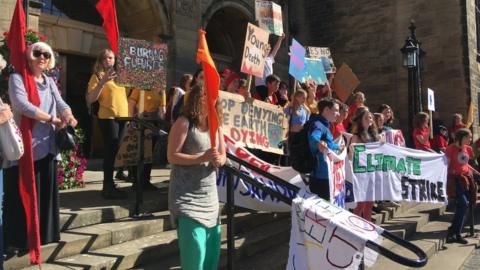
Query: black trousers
320,187
112,134
46,180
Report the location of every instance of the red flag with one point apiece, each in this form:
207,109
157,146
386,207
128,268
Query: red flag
28,192
106,8
212,83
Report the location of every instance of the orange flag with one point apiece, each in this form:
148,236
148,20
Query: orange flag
212,84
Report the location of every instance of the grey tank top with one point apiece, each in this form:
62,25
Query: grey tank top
193,189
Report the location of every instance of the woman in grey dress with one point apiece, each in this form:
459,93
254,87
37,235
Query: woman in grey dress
193,199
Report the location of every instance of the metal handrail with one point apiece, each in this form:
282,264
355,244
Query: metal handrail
422,257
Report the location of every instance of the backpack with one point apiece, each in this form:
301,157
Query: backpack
301,158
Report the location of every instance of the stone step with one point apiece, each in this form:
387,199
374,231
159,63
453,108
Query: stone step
163,246
85,239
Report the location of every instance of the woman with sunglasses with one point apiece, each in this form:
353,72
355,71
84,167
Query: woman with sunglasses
52,113
113,102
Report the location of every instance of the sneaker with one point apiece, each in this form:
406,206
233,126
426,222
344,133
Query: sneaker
121,176
459,239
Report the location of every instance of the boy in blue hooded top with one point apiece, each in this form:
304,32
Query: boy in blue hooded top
320,139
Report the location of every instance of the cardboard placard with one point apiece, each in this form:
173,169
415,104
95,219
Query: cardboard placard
128,152
324,54
255,51
345,82
269,16
141,64
313,70
297,60
256,124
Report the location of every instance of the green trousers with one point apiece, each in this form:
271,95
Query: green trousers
199,245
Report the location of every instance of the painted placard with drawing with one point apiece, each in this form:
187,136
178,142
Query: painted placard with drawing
269,16
141,64
345,82
324,54
255,51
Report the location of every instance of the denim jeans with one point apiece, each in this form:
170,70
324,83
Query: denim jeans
461,209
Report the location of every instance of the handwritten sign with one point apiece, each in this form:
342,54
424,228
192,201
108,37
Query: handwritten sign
314,70
141,64
255,51
269,16
255,124
297,60
128,153
324,54
345,82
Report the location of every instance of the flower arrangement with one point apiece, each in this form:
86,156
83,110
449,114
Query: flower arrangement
72,165
31,37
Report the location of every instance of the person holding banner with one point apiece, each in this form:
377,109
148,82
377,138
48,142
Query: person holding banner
364,130
421,132
112,99
460,183
193,197
320,139
50,115
388,116
261,82
268,94
457,123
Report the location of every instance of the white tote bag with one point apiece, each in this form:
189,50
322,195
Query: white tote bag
11,143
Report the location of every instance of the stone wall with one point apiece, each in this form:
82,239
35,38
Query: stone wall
368,36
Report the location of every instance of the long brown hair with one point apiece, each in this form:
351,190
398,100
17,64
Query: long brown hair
358,128
195,110
98,67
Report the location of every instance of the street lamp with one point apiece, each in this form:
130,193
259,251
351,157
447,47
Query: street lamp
413,62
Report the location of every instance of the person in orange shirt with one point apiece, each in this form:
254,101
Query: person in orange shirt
112,100
154,103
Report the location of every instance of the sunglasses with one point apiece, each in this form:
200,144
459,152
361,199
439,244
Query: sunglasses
37,54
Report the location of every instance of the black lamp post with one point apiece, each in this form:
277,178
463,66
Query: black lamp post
413,62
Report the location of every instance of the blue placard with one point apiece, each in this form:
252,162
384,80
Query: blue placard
297,60
314,69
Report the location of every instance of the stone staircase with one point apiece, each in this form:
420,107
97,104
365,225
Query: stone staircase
99,234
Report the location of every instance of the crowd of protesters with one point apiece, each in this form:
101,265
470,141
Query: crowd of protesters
194,206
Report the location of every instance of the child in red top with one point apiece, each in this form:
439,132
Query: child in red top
439,142
337,127
457,124
358,101
421,132
460,183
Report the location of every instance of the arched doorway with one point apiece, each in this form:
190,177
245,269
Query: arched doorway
226,36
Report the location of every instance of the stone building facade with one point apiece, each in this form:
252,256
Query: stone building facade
366,34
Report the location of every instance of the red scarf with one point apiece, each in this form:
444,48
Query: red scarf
28,192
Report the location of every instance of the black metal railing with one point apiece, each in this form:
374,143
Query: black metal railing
232,172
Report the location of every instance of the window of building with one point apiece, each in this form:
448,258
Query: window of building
79,10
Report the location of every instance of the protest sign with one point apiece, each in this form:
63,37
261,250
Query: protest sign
255,51
336,176
249,196
269,16
384,171
323,54
313,70
128,152
141,64
328,236
345,82
297,60
431,100
394,136
255,124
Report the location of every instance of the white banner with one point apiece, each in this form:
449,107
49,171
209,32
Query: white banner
327,237
382,171
336,176
394,136
251,197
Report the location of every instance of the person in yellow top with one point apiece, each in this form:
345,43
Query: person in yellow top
113,103
154,102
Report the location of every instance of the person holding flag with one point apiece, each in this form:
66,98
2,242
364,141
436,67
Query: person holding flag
196,148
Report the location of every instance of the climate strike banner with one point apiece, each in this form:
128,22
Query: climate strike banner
324,236
336,176
141,64
255,51
255,124
389,172
251,197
